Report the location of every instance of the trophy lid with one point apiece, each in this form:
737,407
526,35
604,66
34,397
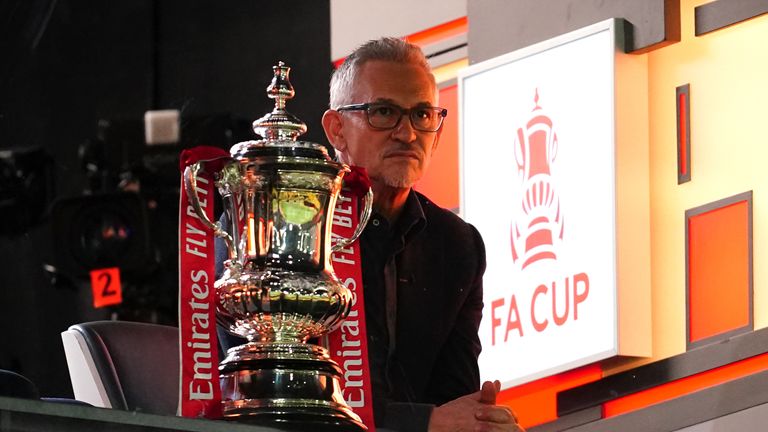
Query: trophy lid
280,129
280,124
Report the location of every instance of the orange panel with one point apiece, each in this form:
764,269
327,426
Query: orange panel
719,297
536,402
441,182
685,386
430,35
440,32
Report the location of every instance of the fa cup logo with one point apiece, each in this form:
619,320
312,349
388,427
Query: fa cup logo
537,229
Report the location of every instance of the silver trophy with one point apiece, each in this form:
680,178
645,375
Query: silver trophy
278,289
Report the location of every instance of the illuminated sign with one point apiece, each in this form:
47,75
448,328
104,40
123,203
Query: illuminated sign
538,180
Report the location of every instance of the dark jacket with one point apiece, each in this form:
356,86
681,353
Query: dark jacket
439,262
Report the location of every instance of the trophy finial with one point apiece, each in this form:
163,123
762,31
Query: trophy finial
280,88
280,124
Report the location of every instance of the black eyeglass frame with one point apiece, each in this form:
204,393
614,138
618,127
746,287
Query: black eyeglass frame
441,112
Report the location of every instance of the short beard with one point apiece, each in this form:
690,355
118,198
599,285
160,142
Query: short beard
402,180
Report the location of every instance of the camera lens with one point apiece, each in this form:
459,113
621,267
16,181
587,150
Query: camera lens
105,237
101,231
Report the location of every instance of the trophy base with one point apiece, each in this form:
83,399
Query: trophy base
288,385
320,421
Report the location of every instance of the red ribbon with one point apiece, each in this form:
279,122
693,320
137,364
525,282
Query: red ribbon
214,157
200,391
348,345
357,181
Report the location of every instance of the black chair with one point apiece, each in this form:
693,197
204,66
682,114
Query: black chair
124,365
18,386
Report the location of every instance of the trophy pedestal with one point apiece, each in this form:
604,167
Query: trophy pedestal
293,385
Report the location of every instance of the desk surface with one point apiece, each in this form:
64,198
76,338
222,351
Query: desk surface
22,415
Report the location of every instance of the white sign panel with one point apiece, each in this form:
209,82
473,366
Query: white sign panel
538,182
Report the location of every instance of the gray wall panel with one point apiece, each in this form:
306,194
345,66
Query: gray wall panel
752,419
500,26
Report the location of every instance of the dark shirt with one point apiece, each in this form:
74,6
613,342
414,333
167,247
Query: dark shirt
380,246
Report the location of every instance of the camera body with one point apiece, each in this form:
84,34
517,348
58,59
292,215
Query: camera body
127,215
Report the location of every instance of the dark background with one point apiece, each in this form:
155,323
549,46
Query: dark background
67,64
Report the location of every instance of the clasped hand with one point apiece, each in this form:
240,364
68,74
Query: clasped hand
476,412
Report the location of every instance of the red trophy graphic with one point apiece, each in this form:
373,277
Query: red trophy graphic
538,226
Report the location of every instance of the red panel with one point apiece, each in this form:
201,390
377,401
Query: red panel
536,402
441,182
719,280
683,93
682,125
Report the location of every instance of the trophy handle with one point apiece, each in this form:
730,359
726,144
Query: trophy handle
190,185
364,216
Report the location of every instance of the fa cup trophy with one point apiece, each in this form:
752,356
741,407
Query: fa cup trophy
278,289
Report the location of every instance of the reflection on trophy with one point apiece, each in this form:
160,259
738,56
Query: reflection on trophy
278,289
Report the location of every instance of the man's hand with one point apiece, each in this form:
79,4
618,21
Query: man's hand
476,412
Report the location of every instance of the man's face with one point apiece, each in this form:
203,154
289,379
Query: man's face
395,157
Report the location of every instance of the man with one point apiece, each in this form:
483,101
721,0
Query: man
422,265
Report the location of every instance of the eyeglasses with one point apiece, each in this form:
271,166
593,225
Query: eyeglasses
382,115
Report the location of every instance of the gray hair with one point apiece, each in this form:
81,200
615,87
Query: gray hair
384,49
